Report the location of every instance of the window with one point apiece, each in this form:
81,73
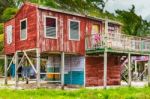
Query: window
23,29
95,29
9,34
50,27
74,29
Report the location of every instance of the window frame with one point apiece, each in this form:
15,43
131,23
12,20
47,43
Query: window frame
45,27
72,20
25,19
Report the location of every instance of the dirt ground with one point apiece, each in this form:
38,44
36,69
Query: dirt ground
32,85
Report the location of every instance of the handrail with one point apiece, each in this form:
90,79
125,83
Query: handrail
117,41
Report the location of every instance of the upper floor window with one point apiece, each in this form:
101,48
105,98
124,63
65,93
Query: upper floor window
74,30
50,27
9,30
23,29
95,29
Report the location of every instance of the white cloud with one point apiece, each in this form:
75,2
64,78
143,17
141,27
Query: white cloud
142,6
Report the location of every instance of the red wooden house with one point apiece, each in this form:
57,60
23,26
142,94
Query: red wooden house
61,46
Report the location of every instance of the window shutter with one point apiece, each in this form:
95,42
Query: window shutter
9,34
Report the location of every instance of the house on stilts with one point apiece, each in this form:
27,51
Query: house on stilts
68,48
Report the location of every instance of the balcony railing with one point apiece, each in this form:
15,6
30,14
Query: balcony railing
117,41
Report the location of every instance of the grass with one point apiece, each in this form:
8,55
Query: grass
117,93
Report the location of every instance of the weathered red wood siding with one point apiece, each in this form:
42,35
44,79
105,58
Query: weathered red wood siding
94,71
29,12
9,48
62,43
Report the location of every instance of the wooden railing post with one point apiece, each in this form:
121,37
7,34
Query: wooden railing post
106,33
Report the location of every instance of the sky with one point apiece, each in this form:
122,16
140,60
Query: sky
142,7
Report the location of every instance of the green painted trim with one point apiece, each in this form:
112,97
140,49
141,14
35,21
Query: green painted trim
101,50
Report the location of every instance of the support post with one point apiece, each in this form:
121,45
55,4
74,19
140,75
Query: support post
38,67
16,65
149,71
105,55
129,69
6,64
84,71
135,66
62,69
105,69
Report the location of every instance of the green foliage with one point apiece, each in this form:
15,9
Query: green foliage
112,93
1,43
1,28
49,3
132,23
1,67
8,13
4,4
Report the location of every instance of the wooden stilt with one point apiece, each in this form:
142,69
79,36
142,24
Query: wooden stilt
62,69
129,69
149,71
105,70
6,64
105,55
38,67
84,71
135,66
16,65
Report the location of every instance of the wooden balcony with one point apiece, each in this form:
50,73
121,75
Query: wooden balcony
117,43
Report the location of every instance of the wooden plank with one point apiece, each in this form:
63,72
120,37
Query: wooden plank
84,71
38,67
30,62
136,67
62,68
6,63
105,70
52,73
149,72
129,69
21,61
16,65
100,50
11,63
